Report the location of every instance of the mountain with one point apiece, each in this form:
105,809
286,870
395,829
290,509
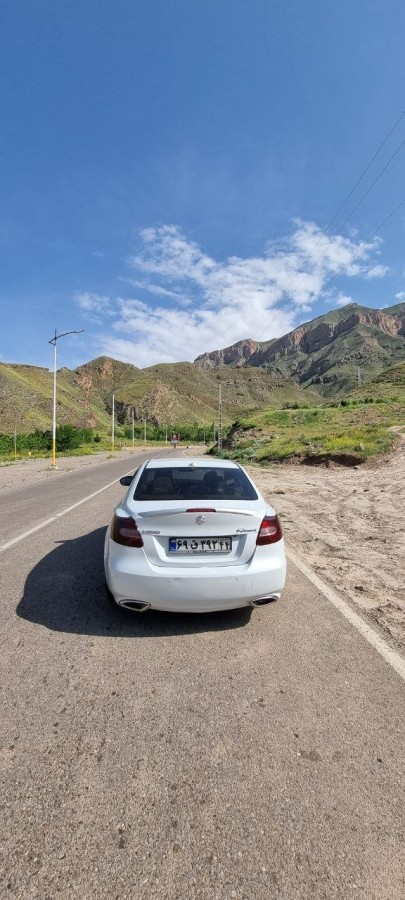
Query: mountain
26,400
388,385
235,355
325,356
328,352
182,392
172,394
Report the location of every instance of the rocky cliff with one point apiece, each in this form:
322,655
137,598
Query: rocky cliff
326,351
235,355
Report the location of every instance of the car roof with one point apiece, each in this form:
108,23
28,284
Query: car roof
194,462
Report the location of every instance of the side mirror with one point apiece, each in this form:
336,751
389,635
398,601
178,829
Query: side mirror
126,480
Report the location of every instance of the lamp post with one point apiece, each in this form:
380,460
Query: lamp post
53,341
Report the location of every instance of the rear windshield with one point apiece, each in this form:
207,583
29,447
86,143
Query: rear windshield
185,483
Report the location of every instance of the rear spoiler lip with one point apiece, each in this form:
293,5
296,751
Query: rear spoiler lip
152,513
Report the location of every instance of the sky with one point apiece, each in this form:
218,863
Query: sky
169,169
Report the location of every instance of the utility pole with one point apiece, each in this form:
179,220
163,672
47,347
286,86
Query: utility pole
358,376
219,438
166,435
144,430
113,424
133,427
219,435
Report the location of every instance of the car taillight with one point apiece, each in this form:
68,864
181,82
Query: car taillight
270,531
124,530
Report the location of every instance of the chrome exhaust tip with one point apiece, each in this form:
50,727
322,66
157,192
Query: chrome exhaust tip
262,601
134,605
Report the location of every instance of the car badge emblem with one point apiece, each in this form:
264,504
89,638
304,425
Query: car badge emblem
200,520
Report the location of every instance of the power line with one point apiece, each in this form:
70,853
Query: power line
358,204
374,182
365,171
330,242
324,232
370,237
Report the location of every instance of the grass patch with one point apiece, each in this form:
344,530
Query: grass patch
349,433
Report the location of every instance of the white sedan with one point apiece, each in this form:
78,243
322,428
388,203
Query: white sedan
193,535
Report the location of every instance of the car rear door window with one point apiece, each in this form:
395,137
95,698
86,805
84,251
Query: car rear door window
194,483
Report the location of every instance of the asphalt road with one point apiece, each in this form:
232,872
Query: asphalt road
185,758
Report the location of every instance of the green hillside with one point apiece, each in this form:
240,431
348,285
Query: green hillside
182,392
367,350
165,394
26,400
346,434
388,385
347,431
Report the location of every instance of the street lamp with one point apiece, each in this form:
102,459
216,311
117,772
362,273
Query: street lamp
53,341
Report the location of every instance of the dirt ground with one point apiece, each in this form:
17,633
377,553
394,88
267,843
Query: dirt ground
29,471
348,525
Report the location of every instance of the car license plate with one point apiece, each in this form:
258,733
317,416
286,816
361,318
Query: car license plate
200,545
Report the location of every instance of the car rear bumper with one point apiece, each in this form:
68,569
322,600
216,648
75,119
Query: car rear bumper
130,576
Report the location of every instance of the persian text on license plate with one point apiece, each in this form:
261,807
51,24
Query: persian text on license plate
200,545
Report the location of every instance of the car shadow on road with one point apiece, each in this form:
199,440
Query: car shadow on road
66,592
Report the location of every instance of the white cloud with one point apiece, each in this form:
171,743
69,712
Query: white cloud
400,296
166,335
344,300
377,272
298,265
157,289
94,303
231,299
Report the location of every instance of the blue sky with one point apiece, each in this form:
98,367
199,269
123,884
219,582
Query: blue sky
168,168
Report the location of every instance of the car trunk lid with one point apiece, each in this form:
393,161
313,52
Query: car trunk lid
188,534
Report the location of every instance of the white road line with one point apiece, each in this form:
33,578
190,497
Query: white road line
58,515
396,661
